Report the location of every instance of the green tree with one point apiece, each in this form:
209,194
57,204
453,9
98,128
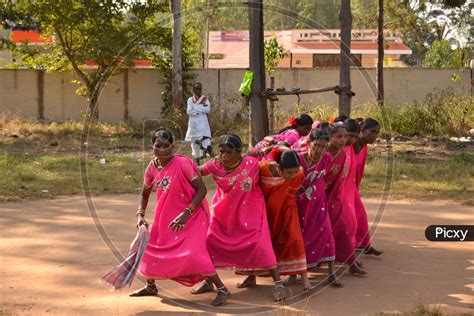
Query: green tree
273,54
108,34
423,22
442,55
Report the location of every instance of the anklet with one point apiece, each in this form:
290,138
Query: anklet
223,289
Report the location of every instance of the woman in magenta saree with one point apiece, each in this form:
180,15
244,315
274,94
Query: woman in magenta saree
177,246
340,190
312,205
239,236
370,129
298,128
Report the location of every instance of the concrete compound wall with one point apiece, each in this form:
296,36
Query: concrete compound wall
32,93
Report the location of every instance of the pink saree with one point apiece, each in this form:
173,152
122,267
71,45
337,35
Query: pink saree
180,256
290,136
340,191
313,213
362,234
238,235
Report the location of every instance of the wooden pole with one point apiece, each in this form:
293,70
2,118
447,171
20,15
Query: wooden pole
206,34
271,110
258,104
345,93
380,55
177,82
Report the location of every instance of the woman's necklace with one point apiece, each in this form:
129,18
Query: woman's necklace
230,168
310,160
158,164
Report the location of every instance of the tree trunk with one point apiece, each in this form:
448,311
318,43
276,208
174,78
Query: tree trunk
258,104
206,35
93,109
380,55
345,93
177,82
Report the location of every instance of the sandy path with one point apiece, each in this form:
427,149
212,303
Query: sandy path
52,257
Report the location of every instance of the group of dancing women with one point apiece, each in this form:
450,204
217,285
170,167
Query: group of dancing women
284,208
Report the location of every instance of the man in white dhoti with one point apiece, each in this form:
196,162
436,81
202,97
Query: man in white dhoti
199,132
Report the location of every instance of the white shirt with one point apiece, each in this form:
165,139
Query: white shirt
198,124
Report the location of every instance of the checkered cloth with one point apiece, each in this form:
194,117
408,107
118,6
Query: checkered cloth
123,274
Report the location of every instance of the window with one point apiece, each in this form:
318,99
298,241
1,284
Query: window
334,60
298,62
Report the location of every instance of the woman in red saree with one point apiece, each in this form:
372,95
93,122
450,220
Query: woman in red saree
177,246
238,236
370,129
280,180
340,188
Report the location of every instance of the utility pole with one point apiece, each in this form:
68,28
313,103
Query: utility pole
177,82
345,92
206,34
380,55
258,104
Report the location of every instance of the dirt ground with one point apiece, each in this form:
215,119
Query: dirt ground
52,256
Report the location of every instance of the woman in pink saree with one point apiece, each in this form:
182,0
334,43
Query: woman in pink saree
177,246
340,190
239,236
298,127
312,205
370,129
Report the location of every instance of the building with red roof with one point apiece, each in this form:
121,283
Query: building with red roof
307,48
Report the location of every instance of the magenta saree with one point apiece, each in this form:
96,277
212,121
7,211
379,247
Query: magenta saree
362,237
239,236
313,213
180,256
340,190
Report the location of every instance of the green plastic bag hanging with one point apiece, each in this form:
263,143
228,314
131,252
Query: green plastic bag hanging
246,85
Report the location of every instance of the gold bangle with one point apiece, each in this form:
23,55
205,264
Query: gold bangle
140,212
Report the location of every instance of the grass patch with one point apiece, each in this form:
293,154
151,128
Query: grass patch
41,160
27,176
422,178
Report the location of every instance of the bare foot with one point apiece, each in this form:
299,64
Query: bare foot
290,280
204,288
372,251
223,294
334,281
306,286
250,281
356,269
145,291
279,293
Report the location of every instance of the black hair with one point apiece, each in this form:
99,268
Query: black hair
302,120
369,123
352,126
318,134
324,126
231,140
332,129
289,159
341,118
197,83
162,133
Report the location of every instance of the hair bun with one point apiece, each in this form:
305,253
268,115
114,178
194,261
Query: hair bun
276,154
292,120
